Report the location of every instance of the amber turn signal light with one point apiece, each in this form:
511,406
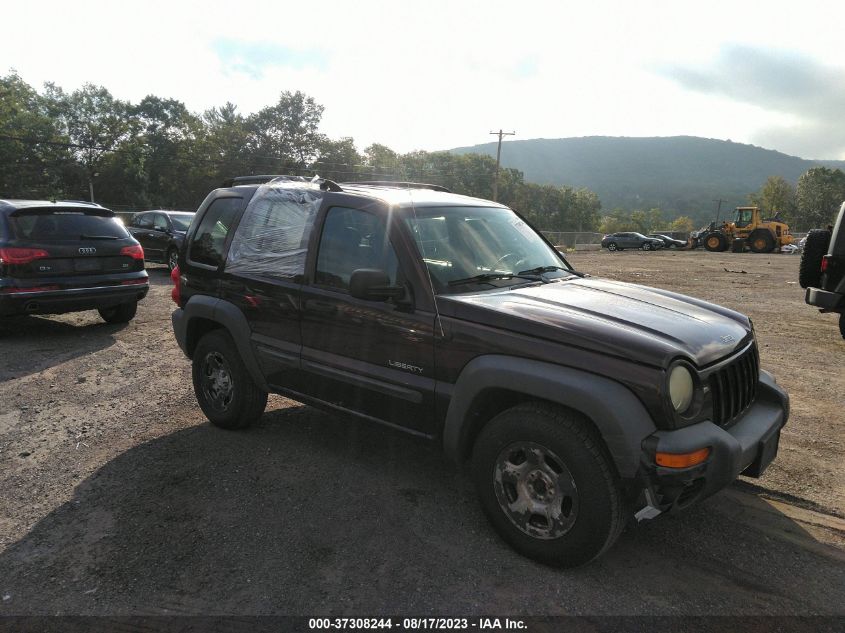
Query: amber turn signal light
682,460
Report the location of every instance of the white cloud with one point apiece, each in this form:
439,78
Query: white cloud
430,75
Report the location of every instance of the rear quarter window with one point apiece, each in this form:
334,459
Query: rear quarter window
209,240
272,237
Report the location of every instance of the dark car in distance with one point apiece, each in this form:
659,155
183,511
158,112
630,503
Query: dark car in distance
623,240
668,242
577,402
58,257
161,233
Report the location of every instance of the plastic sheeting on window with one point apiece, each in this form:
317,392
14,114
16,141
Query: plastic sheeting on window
272,237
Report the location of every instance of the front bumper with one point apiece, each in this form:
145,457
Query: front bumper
746,447
824,299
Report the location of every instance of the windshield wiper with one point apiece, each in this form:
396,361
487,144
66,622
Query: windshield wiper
542,269
489,277
98,237
548,269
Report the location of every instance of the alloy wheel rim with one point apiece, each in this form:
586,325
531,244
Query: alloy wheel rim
217,385
535,490
173,260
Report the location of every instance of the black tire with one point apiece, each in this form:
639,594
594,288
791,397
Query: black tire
738,246
646,246
121,313
590,501
715,243
172,259
842,324
612,246
810,270
225,391
761,242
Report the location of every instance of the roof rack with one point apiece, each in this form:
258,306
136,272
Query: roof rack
260,179
398,185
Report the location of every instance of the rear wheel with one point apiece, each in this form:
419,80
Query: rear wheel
842,324
810,270
761,242
547,485
224,389
716,243
121,313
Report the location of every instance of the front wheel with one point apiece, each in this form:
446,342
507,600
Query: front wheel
121,313
223,386
647,246
842,324
611,246
547,485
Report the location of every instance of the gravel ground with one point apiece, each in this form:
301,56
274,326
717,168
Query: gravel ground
119,498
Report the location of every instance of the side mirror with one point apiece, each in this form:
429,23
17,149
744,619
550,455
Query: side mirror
372,284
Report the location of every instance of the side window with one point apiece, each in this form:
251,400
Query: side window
272,236
207,243
353,239
159,222
143,221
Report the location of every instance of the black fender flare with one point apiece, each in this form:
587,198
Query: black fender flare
617,413
233,320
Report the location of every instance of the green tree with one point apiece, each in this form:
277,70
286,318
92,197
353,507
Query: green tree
820,192
95,123
338,160
682,224
287,134
32,153
776,196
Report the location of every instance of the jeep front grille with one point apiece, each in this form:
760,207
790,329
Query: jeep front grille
734,387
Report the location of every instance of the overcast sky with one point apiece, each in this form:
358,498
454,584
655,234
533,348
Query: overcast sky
435,75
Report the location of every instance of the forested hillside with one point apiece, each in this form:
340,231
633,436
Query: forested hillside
682,175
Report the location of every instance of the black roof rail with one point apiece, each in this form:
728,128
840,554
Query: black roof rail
261,179
398,185
329,185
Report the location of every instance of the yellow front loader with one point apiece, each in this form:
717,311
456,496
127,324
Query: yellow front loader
748,229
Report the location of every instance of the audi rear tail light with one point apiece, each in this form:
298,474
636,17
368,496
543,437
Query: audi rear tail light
135,252
21,255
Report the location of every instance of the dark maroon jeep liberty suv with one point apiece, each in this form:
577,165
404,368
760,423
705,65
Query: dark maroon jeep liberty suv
577,402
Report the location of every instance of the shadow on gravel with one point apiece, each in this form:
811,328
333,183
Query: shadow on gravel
34,343
159,275
312,514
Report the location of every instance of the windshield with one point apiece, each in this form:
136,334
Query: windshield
459,243
181,222
51,225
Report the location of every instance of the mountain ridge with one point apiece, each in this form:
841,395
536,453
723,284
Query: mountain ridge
683,175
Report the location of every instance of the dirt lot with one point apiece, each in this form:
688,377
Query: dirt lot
117,497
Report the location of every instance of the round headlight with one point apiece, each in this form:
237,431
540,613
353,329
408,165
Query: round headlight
681,388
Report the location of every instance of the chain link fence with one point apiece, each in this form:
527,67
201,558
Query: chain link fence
568,239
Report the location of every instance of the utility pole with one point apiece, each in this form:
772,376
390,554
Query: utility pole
91,177
500,134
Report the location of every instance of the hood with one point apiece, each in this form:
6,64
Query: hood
645,325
